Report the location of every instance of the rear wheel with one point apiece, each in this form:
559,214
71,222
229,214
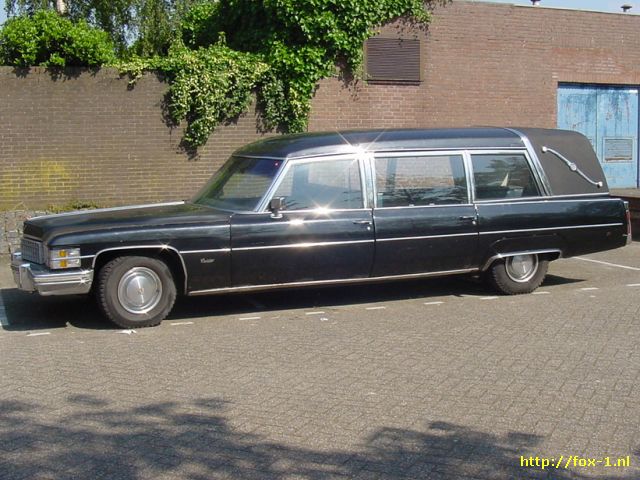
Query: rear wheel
136,292
518,273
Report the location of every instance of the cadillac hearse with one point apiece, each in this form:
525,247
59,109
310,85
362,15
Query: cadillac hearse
335,208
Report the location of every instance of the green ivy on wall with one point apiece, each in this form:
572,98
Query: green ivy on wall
222,51
280,49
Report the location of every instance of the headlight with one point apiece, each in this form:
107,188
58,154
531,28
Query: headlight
64,258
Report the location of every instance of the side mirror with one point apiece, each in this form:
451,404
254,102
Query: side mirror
275,205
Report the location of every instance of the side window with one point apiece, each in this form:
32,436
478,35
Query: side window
503,175
331,184
420,180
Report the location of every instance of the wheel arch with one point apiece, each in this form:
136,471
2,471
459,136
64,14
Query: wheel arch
169,255
549,253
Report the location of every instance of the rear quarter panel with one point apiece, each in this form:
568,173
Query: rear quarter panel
572,226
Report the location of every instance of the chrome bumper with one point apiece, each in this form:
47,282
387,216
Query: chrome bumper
31,277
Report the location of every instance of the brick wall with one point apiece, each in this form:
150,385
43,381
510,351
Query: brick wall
87,136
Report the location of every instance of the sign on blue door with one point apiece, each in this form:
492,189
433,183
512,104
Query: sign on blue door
608,116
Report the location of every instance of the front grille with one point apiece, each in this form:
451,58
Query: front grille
32,251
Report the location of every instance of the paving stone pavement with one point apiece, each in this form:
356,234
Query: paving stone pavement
438,379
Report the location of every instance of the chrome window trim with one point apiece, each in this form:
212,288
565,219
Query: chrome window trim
362,159
501,151
248,288
302,245
449,205
515,200
570,227
437,150
423,237
603,194
263,205
471,183
544,181
152,247
490,260
418,153
550,200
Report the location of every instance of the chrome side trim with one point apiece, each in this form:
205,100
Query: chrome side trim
549,200
600,194
573,167
250,288
213,250
449,205
302,245
570,227
426,237
498,256
152,247
538,170
111,209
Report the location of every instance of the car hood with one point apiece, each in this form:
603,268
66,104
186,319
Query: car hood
179,214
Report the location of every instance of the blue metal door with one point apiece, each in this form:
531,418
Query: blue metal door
608,116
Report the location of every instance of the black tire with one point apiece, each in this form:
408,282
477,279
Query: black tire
518,274
135,292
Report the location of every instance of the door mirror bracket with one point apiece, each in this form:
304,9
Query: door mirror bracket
275,205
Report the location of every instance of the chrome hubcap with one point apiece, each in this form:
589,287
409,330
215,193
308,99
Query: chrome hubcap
521,268
139,290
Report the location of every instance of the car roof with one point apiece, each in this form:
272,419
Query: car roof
350,141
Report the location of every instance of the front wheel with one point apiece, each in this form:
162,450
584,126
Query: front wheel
136,292
518,274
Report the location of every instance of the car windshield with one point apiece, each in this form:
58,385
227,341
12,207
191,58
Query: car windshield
239,184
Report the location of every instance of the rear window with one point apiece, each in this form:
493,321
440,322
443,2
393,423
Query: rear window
499,175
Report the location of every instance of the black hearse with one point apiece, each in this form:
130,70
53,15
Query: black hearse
339,207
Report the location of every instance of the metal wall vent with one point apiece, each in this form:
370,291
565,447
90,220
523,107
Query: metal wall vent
393,60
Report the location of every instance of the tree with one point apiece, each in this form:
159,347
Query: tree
142,26
51,40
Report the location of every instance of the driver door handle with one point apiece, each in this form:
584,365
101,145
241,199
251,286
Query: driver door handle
362,222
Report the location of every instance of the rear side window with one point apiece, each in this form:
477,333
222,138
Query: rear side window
420,181
333,184
501,175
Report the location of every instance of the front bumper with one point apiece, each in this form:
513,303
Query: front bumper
32,277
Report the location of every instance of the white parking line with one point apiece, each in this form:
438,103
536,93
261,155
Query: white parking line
488,298
181,323
314,313
633,284
587,289
249,318
607,263
38,334
541,293
433,303
375,308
